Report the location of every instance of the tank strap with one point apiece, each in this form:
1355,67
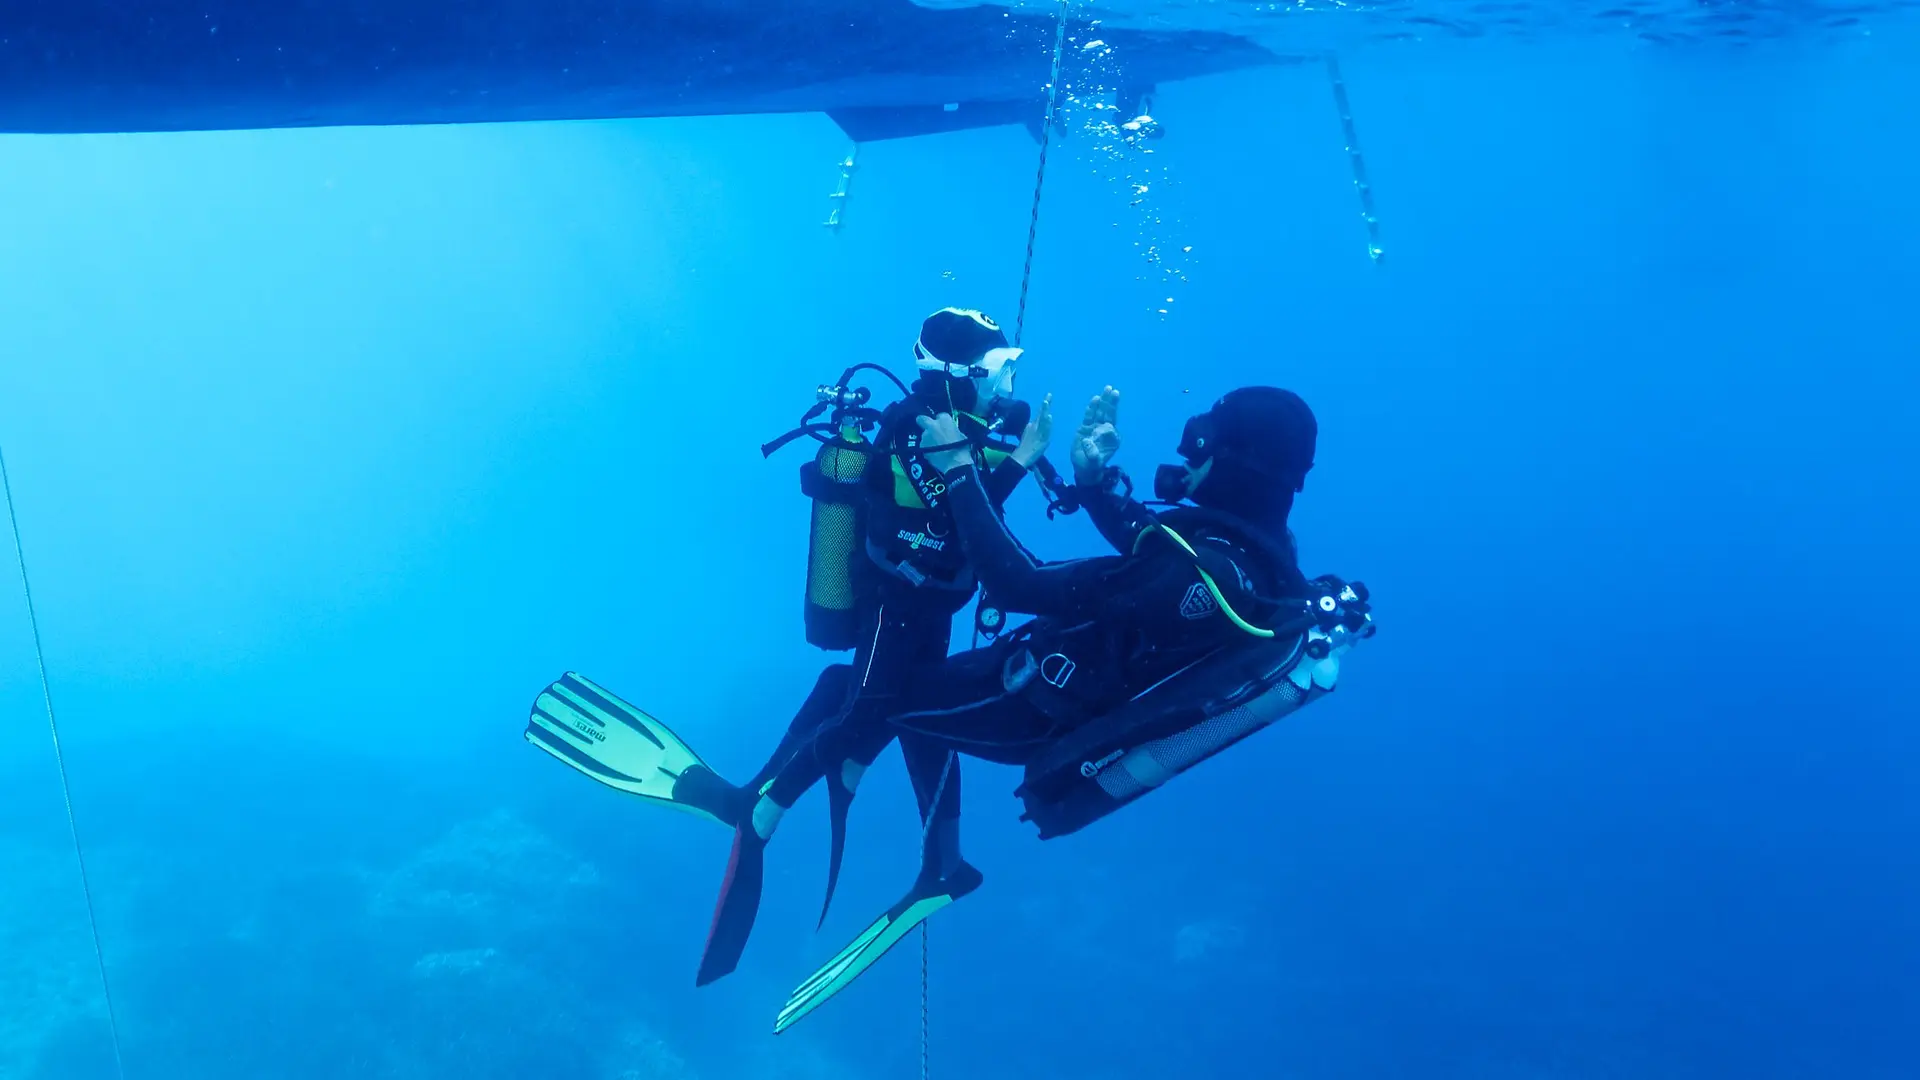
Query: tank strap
815,485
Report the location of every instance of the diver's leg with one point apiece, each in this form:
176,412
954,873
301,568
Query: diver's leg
812,751
828,699
935,772
957,691
909,634
965,708
794,767
963,692
913,667
1006,731
913,673
902,641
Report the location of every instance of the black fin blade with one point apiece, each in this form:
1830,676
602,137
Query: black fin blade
839,804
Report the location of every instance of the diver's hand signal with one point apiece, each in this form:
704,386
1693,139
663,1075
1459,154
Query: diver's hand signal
1098,439
1103,409
1037,437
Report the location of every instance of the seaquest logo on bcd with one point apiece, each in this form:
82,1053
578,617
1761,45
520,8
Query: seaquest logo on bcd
919,540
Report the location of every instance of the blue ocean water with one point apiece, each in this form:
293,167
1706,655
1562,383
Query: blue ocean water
331,448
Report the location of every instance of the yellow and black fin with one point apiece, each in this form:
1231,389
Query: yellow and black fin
921,902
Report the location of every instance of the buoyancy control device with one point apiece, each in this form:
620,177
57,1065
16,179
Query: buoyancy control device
1195,713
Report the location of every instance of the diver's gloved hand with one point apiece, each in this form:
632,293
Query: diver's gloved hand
1098,439
1037,437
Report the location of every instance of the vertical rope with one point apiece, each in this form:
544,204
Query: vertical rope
66,790
926,1070
1040,175
1019,333
926,831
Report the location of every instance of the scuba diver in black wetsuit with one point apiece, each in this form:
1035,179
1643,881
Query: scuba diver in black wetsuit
1206,599
886,575
893,598
1199,632
1114,624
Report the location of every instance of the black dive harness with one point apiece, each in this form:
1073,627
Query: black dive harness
849,417
1311,621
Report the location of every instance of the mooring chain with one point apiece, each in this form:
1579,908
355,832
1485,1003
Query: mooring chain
1355,161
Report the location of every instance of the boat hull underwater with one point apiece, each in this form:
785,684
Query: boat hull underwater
881,69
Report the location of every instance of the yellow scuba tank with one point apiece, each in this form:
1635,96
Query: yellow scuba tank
832,480
835,482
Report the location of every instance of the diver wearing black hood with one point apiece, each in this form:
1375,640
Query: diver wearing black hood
1136,666
1247,456
1107,626
1186,580
1187,583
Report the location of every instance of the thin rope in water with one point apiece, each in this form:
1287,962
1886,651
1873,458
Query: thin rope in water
66,789
926,831
1040,176
925,1068
1019,333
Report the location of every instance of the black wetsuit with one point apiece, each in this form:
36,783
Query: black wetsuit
1107,628
917,576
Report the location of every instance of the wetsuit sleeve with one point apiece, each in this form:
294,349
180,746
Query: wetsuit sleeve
1009,575
1119,519
1003,480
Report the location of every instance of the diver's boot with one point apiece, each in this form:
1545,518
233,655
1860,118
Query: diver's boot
704,791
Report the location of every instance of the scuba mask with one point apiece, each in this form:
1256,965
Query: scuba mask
989,380
993,373
960,332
